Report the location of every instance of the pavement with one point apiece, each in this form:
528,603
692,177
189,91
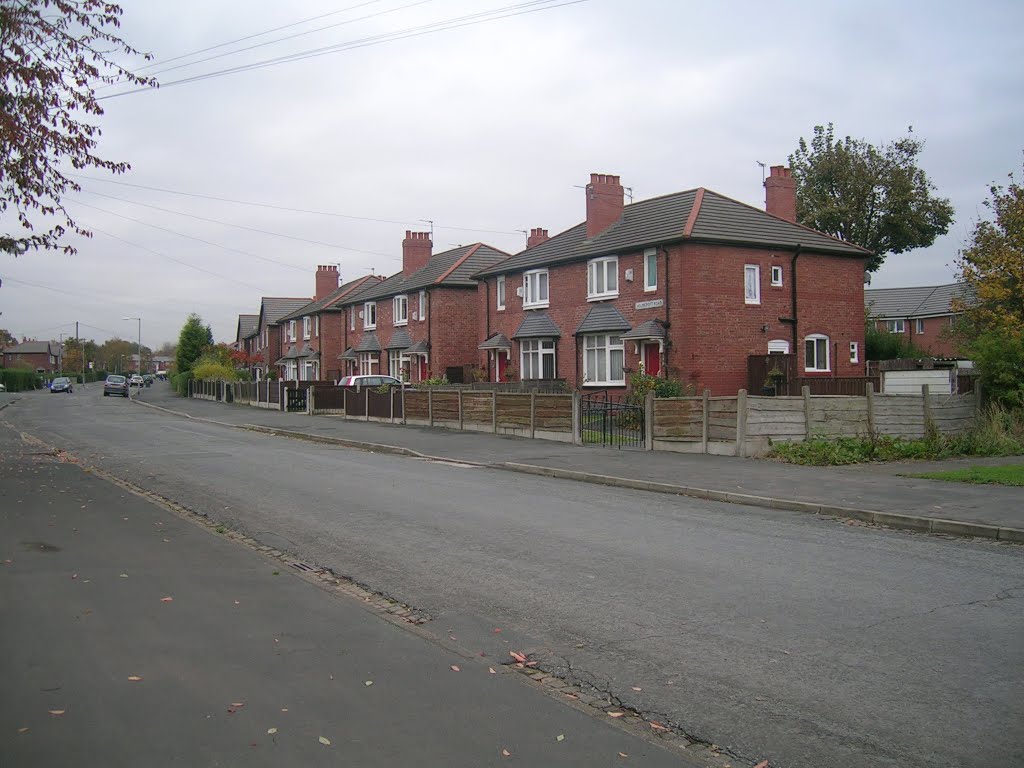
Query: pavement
872,493
133,636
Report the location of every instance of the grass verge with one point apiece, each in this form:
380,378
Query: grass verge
1010,474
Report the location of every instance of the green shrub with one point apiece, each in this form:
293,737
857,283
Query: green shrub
180,382
20,379
640,384
210,369
882,345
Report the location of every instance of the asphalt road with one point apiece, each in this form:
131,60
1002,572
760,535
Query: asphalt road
770,633
132,637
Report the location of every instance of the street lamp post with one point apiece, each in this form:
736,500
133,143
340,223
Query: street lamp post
139,369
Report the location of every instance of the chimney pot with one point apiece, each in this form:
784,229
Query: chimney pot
537,236
605,203
416,250
780,193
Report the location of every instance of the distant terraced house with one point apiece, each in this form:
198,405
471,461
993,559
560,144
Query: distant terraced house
40,356
924,315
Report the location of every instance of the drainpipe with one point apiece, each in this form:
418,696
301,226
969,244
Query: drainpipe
668,322
792,278
430,325
487,320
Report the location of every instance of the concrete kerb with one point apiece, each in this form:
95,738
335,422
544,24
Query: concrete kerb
917,523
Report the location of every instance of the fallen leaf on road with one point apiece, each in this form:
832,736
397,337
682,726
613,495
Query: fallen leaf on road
134,678
623,754
75,576
57,712
560,737
532,663
452,637
271,731
325,741
237,603
506,753
167,541
496,629
615,714
368,683
166,599
658,726
23,730
491,670
636,688
762,764
237,704
517,656
455,668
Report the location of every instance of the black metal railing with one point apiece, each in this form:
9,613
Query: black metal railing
608,420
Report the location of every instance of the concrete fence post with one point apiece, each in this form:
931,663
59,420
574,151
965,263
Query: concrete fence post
869,393
929,423
460,408
311,401
705,428
533,415
282,396
805,392
366,403
391,402
577,419
494,411
977,396
741,423
404,421
649,421
430,405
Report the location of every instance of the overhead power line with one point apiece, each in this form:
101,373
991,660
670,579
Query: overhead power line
518,9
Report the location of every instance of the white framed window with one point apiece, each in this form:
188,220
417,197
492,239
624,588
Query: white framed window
370,315
537,358
367,363
778,346
535,288
752,284
603,278
307,327
423,306
650,270
318,326
351,318
291,330
500,291
398,364
776,276
816,353
854,352
401,310
919,326
896,326
603,360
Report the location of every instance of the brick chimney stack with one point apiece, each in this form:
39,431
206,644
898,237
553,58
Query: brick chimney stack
780,193
326,281
416,250
604,203
537,236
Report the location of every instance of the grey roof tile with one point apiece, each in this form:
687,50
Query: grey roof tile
603,317
400,339
419,348
248,325
649,329
273,309
536,325
369,343
663,220
34,348
497,341
348,354
327,302
916,301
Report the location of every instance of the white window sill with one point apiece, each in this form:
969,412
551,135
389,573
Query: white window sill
541,305
751,303
604,383
603,296
401,322
369,327
306,338
651,290
817,370
500,309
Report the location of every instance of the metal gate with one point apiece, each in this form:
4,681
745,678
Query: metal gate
606,419
296,400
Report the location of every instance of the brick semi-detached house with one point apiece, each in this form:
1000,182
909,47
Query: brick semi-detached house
40,356
313,336
423,321
688,285
923,315
267,348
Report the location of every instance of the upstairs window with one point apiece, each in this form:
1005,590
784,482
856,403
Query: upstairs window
423,306
752,284
776,276
603,278
291,330
535,289
307,327
401,310
351,318
650,270
500,290
370,315
317,326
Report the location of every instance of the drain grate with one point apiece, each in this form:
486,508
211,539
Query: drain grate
303,567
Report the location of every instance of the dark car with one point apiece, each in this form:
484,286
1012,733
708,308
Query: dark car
115,385
148,379
61,384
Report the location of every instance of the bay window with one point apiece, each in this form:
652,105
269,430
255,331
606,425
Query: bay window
603,360
537,358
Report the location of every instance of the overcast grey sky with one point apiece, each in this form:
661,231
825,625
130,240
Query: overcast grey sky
491,126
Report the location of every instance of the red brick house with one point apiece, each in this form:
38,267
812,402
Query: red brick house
39,356
267,348
923,315
422,322
248,326
686,285
312,336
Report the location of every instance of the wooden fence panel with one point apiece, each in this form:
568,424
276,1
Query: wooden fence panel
679,418
476,408
554,413
776,417
513,411
446,406
416,405
722,418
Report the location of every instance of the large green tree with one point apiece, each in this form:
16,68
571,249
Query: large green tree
53,55
7,338
992,267
877,198
194,340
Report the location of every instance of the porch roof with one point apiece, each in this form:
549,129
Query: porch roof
400,339
649,329
603,317
537,325
369,343
348,354
419,348
497,341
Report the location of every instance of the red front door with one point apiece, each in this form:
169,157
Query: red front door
652,359
423,368
502,365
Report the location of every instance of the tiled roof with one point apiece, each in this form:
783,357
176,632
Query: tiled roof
419,348
918,301
33,348
248,325
273,309
536,325
320,305
603,317
348,354
368,343
451,268
308,351
667,219
497,341
400,339
649,329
